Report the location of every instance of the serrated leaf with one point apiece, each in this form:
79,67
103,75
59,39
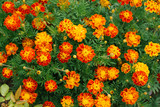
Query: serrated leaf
12,97
18,93
2,99
39,105
21,102
4,89
8,96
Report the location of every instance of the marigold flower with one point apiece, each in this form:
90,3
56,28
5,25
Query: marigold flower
65,25
30,84
126,16
113,73
132,56
3,57
8,7
113,51
38,24
43,58
130,96
158,77
139,78
132,39
111,30
85,100
137,3
27,42
19,14
123,2
43,37
11,49
50,85
153,49
101,73
104,3
36,8
24,8
29,97
43,1
99,32
85,53
95,86
97,21
72,79
7,73
43,47
63,3
102,101
67,101
125,68
12,22
48,104
66,47
28,54
151,6
63,57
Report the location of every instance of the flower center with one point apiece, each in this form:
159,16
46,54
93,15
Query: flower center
130,96
50,86
8,5
26,96
24,7
29,84
85,101
26,53
85,52
43,58
141,78
126,14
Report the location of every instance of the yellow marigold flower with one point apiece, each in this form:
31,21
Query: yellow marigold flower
140,66
111,30
102,101
113,73
67,101
125,68
99,32
151,6
43,37
113,51
132,56
38,72
137,3
104,3
132,39
101,73
11,49
43,47
66,47
27,42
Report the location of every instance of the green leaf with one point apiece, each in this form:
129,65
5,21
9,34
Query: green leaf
21,102
11,105
39,105
12,97
4,89
18,93
8,96
2,99
26,105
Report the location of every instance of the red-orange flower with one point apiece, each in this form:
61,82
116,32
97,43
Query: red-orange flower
99,32
36,8
38,24
3,57
158,77
113,73
137,3
27,42
126,16
29,97
85,100
139,78
67,101
43,47
132,56
7,73
65,25
48,104
113,51
101,73
111,30
28,54
130,96
43,1
8,7
95,87
72,79
43,58
102,101
125,68
123,2
63,57
19,14
50,85
43,37
30,84
25,9
12,22
85,53
66,47
11,49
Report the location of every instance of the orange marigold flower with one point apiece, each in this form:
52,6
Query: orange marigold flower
132,39
151,6
43,1
102,101
43,58
113,51
104,3
139,78
30,84
130,96
101,73
3,57
72,79
50,85
19,14
123,2
132,56
153,49
85,53
38,24
85,100
8,7
95,87
111,30
63,57
113,73
137,3
28,54
125,68
65,25
27,42
99,32
12,22
158,77
11,49
43,37
7,73
126,16
43,47
86,20
36,8
66,47
97,21
48,104
67,101
63,3
25,9
29,97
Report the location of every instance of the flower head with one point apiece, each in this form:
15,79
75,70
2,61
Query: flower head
36,8
38,24
43,58
99,32
125,68
7,73
65,25
8,7
43,1
104,3
67,101
43,37
113,51
158,77
132,56
11,49
151,6
63,57
27,42
50,85
123,2
25,9
126,16
111,30
43,47
113,73
3,57
66,47
136,3
101,73
102,101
